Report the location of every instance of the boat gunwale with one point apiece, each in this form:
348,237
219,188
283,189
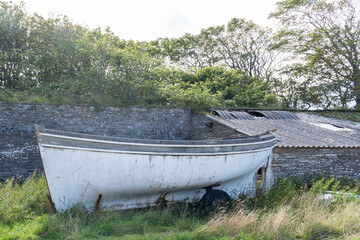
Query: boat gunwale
263,141
155,153
258,139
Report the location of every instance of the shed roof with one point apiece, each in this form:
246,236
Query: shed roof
291,129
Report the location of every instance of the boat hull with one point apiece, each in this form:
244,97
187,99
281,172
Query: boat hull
116,178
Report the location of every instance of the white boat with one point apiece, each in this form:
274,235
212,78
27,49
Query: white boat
123,173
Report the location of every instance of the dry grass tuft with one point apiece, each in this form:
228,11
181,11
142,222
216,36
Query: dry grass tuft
274,222
237,221
304,217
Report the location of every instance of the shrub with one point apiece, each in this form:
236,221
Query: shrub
22,201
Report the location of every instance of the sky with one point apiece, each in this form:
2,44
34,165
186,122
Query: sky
147,20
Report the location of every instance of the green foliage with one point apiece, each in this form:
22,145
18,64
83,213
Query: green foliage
294,210
13,45
53,60
290,210
283,191
240,45
196,96
59,62
22,208
217,86
321,38
19,202
142,224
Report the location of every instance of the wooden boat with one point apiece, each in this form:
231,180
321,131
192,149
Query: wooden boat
122,173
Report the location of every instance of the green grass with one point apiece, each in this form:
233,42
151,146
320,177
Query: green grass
291,210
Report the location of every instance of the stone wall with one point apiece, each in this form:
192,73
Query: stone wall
19,154
206,129
304,163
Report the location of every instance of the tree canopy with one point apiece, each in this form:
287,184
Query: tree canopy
323,39
312,61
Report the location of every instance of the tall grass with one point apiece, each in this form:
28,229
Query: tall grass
300,214
25,213
291,210
79,224
19,202
22,208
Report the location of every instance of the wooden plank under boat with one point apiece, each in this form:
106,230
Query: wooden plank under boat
122,173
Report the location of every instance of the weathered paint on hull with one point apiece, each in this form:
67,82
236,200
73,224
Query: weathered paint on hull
114,179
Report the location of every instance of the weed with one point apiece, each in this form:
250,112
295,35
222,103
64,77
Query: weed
19,202
291,210
302,213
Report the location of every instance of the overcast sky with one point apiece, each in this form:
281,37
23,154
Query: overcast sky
151,19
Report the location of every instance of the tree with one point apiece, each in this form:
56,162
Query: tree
13,45
55,45
245,46
241,45
323,37
190,51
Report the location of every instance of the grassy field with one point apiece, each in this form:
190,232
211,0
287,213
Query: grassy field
291,210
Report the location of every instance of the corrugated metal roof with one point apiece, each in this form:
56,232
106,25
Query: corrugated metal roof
233,115
275,114
223,114
294,132
242,115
